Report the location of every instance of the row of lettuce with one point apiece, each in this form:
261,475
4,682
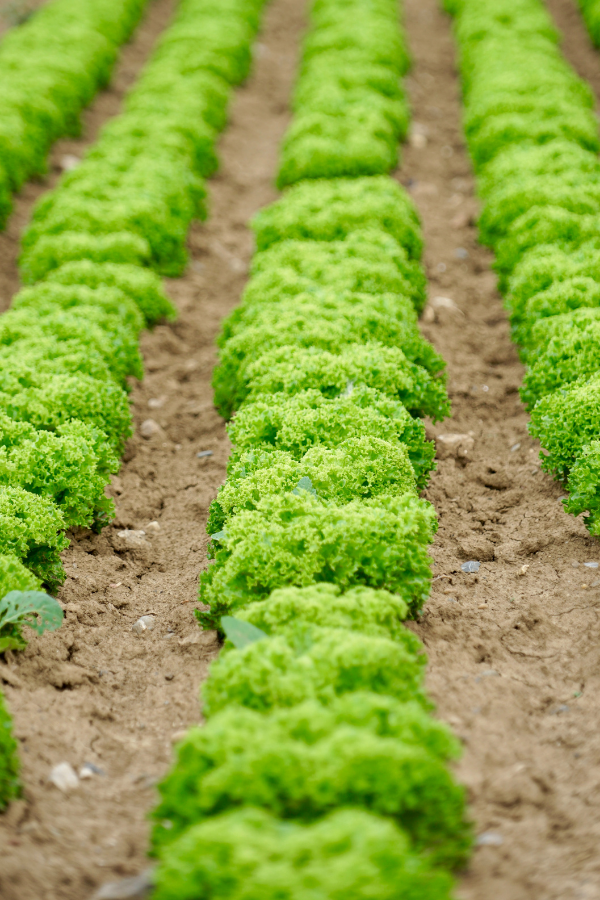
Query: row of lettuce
50,68
533,138
92,259
320,770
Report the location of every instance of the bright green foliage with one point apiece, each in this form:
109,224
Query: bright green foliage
70,467
301,763
584,486
42,355
565,421
328,322
50,401
545,267
89,324
531,131
562,297
309,662
373,612
296,539
370,261
308,419
9,762
53,251
15,577
105,329
359,467
50,68
544,225
320,541
250,855
329,210
109,300
508,203
142,181
31,529
293,369
343,126
142,285
568,348
591,14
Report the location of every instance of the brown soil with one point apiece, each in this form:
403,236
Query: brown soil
95,691
513,650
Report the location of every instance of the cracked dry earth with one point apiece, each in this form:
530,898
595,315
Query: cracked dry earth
514,649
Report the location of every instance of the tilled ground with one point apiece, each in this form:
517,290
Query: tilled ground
514,649
95,691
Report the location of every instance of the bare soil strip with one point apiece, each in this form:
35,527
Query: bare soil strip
513,649
95,691
66,151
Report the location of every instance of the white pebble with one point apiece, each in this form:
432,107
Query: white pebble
149,428
144,623
64,777
489,839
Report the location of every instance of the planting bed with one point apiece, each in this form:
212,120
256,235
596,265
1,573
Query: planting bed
512,647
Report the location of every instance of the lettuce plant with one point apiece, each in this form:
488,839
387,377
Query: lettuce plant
247,759
330,209
359,467
308,419
296,539
248,854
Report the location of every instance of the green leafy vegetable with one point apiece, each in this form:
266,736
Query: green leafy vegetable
32,608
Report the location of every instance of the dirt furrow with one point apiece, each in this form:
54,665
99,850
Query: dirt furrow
95,691
513,649
67,151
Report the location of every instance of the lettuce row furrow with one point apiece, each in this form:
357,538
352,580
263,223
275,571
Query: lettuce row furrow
93,256
50,68
533,138
321,770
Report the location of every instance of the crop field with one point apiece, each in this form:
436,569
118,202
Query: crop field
299,449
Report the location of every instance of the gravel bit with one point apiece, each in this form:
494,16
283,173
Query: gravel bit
64,777
143,624
135,888
471,566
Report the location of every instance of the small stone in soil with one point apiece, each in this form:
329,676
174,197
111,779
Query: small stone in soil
149,428
63,777
559,709
135,888
68,162
471,566
591,565
153,526
515,447
461,253
88,770
204,453
144,623
169,677
156,402
489,839
575,564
